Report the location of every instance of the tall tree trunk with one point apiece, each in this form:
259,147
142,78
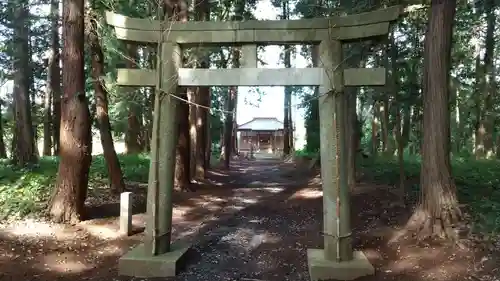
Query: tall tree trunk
3,150
402,125
399,139
101,97
133,133
351,118
291,123
67,202
234,134
438,207
375,128
148,114
194,100
182,156
54,74
208,140
47,117
384,105
178,11
230,108
287,134
148,118
24,149
32,90
228,123
384,122
485,126
351,135
202,13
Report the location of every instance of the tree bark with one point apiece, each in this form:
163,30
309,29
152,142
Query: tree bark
202,13
287,99
438,207
3,150
101,97
67,202
352,138
234,134
351,118
375,128
487,84
150,100
24,148
286,108
182,156
230,108
400,130
54,75
47,117
228,124
133,133
178,11
53,84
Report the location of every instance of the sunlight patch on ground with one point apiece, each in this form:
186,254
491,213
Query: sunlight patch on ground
248,200
218,174
417,259
64,263
398,235
372,254
110,250
33,229
180,211
208,198
5,257
139,220
249,239
448,271
273,189
104,232
307,193
77,261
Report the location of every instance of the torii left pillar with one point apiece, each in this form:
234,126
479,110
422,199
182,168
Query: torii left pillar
157,257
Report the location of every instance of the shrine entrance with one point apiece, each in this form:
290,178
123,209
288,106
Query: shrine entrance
157,257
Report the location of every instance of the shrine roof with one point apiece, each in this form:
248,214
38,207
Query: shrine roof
262,124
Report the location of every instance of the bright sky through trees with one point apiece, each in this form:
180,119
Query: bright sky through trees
271,104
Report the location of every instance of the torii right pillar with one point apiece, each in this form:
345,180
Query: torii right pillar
337,260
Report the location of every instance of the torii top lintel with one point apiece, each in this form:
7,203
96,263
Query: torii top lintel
303,31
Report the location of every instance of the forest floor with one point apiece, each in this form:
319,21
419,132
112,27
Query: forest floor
251,223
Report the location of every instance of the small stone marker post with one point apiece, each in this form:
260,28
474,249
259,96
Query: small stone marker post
126,213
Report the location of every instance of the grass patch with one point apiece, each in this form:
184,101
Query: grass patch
305,153
24,192
478,184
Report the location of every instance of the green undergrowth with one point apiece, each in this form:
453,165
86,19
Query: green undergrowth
477,181
23,192
478,184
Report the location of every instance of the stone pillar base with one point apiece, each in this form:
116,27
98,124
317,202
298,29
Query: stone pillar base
322,269
136,263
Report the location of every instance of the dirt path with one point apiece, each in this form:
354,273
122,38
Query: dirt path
253,223
38,250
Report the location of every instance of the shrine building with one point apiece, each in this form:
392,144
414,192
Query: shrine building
265,134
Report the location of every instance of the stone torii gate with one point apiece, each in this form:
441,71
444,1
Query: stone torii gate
157,257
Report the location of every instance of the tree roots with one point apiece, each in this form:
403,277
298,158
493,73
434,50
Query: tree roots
436,227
